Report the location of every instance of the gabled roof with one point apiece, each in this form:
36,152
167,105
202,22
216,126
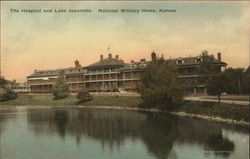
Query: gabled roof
107,62
192,61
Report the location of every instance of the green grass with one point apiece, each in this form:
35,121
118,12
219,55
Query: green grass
47,100
128,101
228,111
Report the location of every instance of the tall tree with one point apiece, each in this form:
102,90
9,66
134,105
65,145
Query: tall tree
160,86
207,67
210,75
61,89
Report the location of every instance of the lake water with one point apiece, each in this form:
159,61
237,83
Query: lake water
81,133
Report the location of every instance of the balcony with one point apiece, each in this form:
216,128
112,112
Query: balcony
102,73
76,81
41,90
37,82
101,79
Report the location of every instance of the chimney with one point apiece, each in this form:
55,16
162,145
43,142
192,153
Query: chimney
101,57
132,61
77,64
117,57
110,55
143,60
153,56
219,56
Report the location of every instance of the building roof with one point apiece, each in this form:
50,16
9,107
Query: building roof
20,85
66,71
186,61
134,66
107,62
192,61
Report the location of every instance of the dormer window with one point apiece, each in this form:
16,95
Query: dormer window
132,66
198,59
142,65
179,61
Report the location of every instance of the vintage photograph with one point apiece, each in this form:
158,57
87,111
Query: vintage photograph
124,80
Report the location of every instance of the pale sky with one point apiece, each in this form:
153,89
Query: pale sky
54,40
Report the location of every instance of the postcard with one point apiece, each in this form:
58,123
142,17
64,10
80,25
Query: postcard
124,79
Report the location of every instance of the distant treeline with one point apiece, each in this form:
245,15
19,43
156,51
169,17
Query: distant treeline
236,80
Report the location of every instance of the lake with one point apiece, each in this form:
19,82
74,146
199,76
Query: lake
83,133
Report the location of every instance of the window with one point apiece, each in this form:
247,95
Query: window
132,66
179,61
198,59
142,65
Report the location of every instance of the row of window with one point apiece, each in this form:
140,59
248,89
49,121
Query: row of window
181,61
20,87
143,65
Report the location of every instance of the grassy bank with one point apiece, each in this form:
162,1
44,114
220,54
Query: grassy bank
47,100
228,111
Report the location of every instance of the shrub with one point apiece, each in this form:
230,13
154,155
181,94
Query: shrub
7,94
84,96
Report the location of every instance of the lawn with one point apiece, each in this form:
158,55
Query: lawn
223,110
47,99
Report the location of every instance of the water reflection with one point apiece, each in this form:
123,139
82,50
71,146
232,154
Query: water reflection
159,132
6,114
207,134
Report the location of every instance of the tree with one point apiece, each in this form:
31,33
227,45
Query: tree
3,82
207,66
215,84
61,89
235,80
246,81
5,92
211,76
160,86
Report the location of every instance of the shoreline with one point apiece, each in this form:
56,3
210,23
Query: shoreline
180,113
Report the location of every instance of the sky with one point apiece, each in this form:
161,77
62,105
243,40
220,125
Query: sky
43,41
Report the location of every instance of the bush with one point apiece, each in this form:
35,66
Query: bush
84,96
7,94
